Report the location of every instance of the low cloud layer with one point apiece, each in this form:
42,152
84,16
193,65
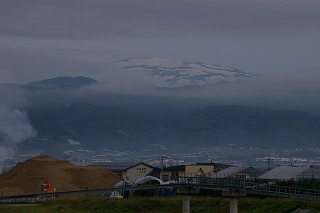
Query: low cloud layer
137,91
297,91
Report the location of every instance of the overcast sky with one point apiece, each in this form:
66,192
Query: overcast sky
279,39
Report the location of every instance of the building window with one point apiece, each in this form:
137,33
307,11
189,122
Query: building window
165,177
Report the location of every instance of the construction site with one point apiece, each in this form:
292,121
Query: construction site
44,174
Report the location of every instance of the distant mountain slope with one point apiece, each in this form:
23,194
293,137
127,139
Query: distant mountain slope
63,82
256,126
109,126
91,124
175,73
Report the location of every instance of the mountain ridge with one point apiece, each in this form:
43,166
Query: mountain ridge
111,126
66,81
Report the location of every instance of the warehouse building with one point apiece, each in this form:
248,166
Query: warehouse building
238,172
291,173
193,170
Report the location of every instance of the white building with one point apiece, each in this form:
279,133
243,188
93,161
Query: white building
130,171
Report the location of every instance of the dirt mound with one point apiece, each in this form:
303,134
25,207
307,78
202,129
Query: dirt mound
27,177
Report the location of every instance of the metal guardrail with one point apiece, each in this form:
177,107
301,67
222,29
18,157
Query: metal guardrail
212,183
24,199
284,191
250,187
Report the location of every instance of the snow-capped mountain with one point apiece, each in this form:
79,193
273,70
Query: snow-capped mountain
175,73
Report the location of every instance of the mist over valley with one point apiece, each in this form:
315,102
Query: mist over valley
62,114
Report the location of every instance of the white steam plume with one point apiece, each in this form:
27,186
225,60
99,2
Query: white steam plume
14,124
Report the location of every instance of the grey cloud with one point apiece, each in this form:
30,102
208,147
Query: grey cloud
106,19
12,96
29,63
46,39
297,91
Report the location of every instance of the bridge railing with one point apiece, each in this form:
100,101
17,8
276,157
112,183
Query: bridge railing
211,182
286,190
245,184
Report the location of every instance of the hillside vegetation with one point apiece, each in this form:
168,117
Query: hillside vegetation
98,125
164,205
250,126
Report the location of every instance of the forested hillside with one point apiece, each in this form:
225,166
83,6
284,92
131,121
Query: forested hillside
98,126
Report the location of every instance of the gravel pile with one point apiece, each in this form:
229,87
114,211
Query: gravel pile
27,177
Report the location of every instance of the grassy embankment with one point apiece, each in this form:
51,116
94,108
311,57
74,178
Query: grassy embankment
162,205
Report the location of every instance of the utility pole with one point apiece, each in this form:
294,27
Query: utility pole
268,161
162,158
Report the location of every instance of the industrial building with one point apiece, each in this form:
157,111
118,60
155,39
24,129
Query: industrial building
193,170
240,172
291,173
